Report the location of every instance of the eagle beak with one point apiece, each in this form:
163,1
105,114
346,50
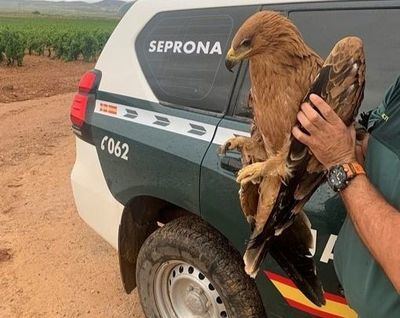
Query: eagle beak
231,59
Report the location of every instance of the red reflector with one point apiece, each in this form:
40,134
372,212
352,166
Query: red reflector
87,82
78,109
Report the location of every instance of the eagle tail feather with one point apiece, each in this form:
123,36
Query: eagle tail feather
291,250
257,249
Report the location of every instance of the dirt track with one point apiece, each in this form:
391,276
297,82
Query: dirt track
39,77
51,263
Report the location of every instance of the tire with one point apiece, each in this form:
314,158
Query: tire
179,261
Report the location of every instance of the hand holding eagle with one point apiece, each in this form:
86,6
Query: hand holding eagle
279,174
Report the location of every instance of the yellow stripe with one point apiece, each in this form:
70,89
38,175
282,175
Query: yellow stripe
331,307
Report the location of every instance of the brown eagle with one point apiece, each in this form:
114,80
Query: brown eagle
279,174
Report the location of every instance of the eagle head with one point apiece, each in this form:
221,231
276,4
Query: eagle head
264,32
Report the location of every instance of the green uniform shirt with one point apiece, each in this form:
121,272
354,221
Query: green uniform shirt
366,286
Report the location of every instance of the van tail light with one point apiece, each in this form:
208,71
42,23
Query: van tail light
88,86
78,109
87,82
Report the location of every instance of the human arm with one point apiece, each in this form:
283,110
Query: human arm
376,221
378,224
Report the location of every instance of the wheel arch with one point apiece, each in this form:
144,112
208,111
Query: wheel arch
141,217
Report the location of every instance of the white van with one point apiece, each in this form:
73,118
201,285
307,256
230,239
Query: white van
148,122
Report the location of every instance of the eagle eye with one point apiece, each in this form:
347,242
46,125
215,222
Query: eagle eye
245,43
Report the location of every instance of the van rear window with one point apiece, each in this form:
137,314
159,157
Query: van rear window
182,55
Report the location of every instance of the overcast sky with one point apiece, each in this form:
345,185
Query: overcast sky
82,0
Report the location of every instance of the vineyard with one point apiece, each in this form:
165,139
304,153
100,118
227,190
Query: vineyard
64,38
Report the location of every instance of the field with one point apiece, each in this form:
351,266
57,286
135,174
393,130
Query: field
58,37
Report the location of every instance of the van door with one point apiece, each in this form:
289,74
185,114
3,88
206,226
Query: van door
181,54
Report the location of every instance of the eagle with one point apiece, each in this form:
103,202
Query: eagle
280,174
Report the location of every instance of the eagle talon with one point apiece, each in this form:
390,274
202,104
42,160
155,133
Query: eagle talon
252,173
236,142
257,171
224,148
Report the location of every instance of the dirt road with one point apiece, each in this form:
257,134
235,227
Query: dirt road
39,77
51,263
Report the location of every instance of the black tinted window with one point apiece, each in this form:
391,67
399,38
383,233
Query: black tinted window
378,29
182,55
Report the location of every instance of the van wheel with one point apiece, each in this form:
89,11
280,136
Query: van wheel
187,269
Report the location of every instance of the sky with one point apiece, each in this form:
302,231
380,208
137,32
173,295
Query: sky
83,0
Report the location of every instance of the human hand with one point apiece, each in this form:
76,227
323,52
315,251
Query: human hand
328,138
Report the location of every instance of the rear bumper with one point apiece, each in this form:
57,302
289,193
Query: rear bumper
94,201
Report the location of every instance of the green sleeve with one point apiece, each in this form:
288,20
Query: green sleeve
391,98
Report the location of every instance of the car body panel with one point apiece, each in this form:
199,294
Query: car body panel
158,156
92,195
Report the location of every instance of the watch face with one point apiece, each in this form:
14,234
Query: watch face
337,177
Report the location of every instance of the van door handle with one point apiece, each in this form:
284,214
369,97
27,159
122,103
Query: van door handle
231,164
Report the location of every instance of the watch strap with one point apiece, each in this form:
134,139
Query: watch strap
353,169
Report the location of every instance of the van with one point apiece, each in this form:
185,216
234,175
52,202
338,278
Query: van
149,120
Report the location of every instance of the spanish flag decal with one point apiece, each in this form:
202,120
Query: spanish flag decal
336,306
107,108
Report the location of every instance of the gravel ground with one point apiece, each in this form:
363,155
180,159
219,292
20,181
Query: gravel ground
51,263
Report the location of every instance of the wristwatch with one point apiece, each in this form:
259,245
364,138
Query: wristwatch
339,176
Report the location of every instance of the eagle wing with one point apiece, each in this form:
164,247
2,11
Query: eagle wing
341,83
